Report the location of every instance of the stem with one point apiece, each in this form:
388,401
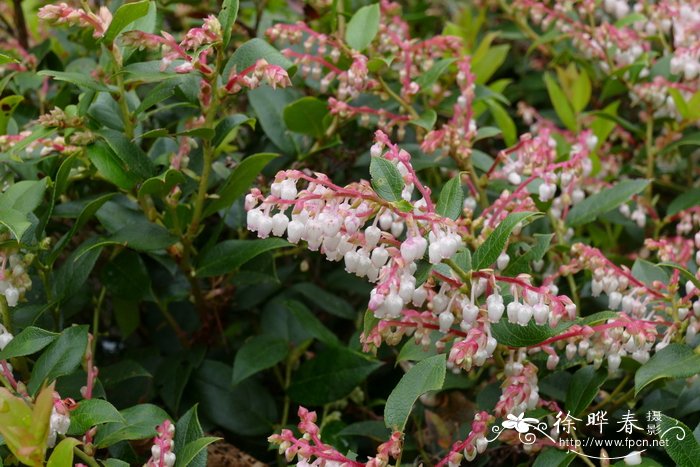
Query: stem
612,395
85,458
5,314
96,318
651,154
408,107
21,24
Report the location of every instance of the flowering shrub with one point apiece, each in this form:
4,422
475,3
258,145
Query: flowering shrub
350,233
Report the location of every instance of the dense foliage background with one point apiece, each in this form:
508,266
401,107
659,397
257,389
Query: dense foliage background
151,313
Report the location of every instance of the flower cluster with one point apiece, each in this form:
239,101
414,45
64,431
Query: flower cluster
14,277
60,419
162,451
64,14
310,450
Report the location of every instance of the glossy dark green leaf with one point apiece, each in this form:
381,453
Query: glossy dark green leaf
110,166
227,18
326,301
60,358
521,263
681,445
330,375
306,116
24,196
250,52
187,430
427,375
386,179
584,388
232,254
257,354
14,221
247,408
125,15
140,422
673,361
494,245
604,201
239,181
686,200
93,412
191,450
451,198
515,335
134,159
27,342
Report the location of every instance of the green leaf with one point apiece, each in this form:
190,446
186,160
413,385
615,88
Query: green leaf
515,335
83,80
330,375
250,52
386,179
673,361
427,79
560,102
553,457
247,408
24,196
363,27
521,263
604,201
75,270
311,324
493,246
227,128
306,116
62,454
692,139
648,272
187,430
5,59
681,445
451,198
232,254
427,375
7,107
426,119
134,159
504,122
14,221
141,236
239,181
269,105
162,184
684,201
110,167
62,357
325,300
92,412
28,342
187,453
486,66
584,386
581,91
487,132
125,15
227,18
257,354
140,422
